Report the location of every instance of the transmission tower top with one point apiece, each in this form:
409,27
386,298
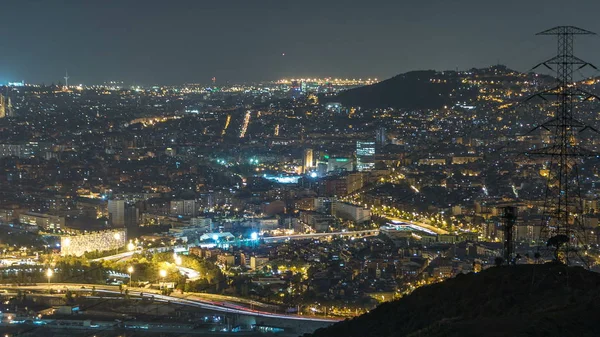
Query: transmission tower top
572,30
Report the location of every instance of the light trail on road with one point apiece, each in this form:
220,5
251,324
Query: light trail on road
190,300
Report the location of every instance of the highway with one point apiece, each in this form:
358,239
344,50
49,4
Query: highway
362,233
190,273
120,256
436,230
190,300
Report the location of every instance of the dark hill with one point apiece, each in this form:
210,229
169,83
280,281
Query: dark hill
412,90
527,300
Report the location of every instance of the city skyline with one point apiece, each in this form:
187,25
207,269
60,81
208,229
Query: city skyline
296,204
186,41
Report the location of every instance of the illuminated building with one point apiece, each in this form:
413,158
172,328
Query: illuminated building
339,164
258,262
365,155
26,150
2,106
6,108
44,221
355,181
183,207
10,112
351,212
308,160
101,241
202,223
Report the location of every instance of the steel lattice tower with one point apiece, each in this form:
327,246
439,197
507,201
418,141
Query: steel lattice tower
563,207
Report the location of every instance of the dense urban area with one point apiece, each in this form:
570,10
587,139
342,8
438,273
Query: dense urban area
266,203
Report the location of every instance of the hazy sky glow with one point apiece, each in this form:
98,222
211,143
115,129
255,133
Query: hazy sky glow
177,41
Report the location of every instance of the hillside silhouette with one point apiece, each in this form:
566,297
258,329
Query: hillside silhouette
525,300
424,89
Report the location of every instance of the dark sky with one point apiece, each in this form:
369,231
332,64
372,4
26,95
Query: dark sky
176,41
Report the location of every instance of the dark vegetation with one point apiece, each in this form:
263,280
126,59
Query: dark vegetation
412,90
524,300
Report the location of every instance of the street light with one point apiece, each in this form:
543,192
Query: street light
117,237
49,273
163,274
130,271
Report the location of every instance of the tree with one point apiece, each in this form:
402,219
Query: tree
69,297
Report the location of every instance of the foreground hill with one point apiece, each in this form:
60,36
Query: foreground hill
526,300
426,89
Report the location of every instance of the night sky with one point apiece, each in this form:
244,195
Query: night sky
176,41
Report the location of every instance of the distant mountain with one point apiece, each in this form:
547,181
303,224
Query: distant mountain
426,89
526,300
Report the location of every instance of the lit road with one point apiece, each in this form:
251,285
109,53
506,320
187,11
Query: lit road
190,273
419,224
187,300
120,256
363,233
127,255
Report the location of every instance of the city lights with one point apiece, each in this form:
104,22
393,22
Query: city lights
291,203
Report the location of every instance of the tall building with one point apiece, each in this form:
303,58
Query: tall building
131,216
116,213
308,160
380,136
365,155
9,112
3,103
